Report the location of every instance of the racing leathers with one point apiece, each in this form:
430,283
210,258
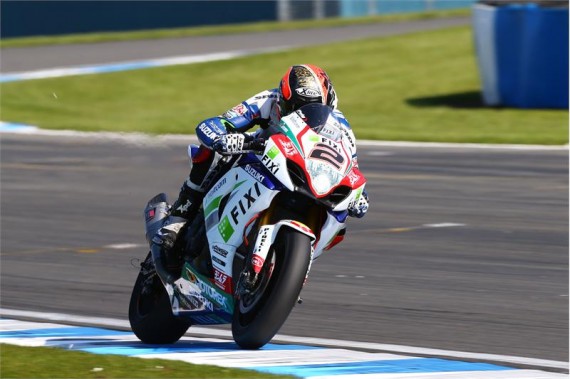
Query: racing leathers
226,134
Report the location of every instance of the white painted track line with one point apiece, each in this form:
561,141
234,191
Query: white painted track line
367,346
147,139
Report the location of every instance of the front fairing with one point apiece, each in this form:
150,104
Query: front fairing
317,157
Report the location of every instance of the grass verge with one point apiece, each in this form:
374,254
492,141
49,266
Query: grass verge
45,362
259,27
415,87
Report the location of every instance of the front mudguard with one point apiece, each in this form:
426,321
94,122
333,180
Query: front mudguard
266,237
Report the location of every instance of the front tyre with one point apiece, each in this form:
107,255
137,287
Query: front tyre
150,313
260,314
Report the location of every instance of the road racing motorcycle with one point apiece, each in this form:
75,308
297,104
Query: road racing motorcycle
267,214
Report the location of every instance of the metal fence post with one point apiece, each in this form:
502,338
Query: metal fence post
284,10
318,9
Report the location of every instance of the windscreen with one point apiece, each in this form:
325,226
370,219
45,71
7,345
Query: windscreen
321,119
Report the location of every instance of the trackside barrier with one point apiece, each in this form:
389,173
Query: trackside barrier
522,53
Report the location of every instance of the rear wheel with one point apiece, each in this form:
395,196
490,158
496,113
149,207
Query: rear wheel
150,313
260,313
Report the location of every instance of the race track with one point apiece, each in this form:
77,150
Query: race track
463,249
45,57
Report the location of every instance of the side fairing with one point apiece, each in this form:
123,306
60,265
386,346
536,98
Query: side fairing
352,197
275,161
235,199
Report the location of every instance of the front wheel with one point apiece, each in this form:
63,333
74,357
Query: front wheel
261,312
150,313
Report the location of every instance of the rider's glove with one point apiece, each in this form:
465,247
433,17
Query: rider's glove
228,144
359,208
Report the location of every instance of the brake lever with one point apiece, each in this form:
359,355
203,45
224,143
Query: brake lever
258,145
253,146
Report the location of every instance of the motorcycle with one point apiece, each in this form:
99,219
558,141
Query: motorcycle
267,214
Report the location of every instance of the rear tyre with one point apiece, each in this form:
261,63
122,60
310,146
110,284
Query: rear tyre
150,313
259,315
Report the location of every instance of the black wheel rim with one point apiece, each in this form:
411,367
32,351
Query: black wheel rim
147,302
250,301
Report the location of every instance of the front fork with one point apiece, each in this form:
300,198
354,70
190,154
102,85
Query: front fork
257,265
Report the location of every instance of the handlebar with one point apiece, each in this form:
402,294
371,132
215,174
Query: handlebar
256,145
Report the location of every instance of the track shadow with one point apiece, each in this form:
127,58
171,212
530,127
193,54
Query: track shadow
186,345
470,99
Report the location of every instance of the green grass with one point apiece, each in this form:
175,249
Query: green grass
258,27
44,362
414,87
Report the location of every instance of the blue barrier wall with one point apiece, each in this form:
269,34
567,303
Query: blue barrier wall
30,18
522,51
356,8
532,56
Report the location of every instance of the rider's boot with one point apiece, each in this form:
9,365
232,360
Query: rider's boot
182,213
185,209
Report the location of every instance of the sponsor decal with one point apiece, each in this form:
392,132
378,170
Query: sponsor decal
271,166
263,239
184,208
348,136
283,126
253,172
332,144
270,96
267,159
210,293
150,214
198,302
223,281
257,263
307,92
240,109
218,261
194,303
213,205
353,177
225,229
330,132
302,226
218,250
353,203
229,114
273,152
207,131
237,111
358,193
215,188
245,203
288,147
220,277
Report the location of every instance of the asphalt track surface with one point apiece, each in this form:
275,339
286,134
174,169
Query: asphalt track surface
45,57
498,284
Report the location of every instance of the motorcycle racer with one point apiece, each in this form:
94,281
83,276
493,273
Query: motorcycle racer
225,134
